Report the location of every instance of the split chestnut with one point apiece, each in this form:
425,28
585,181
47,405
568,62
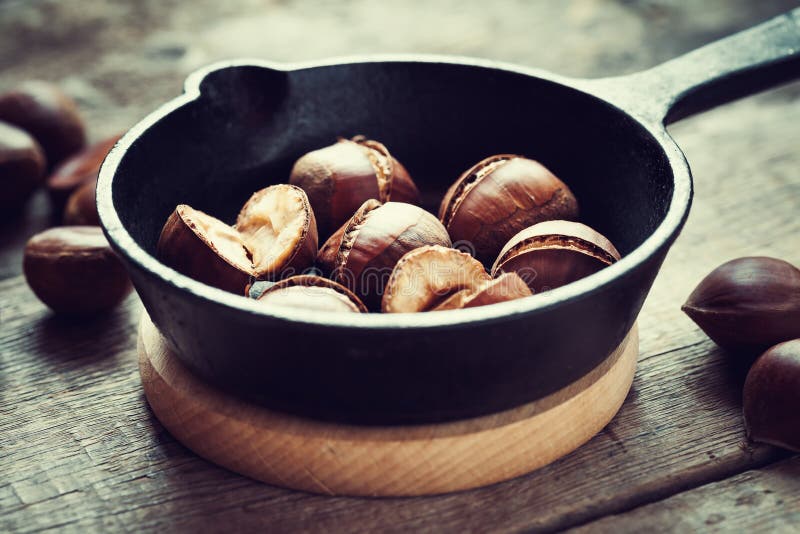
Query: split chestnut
362,256
499,197
275,236
341,177
555,253
312,292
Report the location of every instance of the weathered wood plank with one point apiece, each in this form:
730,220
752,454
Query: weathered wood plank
762,500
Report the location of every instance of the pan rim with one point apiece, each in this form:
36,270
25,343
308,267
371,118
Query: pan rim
660,239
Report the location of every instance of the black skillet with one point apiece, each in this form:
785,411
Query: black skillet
239,126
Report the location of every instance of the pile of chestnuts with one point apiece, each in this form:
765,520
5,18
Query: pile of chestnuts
751,306
381,251
70,268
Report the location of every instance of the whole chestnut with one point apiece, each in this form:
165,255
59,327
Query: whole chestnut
312,292
426,276
77,170
555,253
772,397
73,270
81,208
507,286
22,165
49,115
373,241
275,236
748,304
340,177
500,196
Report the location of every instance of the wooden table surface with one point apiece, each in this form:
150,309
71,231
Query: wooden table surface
79,448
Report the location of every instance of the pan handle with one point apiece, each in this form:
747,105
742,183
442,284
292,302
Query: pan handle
744,63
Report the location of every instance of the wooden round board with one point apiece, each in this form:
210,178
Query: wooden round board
334,459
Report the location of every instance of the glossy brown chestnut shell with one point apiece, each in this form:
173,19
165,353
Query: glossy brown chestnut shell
748,304
500,196
312,292
552,254
77,170
22,166
772,397
73,270
373,241
275,237
341,177
49,115
426,276
81,208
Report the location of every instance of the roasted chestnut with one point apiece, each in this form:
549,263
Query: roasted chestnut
555,253
340,177
81,208
373,241
312,292
275,237
77,170
49,115
500,196
426,276
73,270
748,304
507,286
22,165
772,397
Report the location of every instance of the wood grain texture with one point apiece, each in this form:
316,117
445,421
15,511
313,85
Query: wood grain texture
79,449
325,458
761,500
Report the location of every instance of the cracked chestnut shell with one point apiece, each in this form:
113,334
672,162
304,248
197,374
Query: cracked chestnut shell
77,170
748,304
340,177
772,397
275,236
73,270
49,115
507,286
426,276
500,196
375,239
552,254
312,292
22,165
81,208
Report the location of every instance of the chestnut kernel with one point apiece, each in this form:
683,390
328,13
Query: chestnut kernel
312,292
552,254
772,397
427,275
748,304
49,115
275,236
77,170
340,177
500,196
507,286
373,241
73,270
22,165
81,208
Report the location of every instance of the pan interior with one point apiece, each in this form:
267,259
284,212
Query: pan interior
251,123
